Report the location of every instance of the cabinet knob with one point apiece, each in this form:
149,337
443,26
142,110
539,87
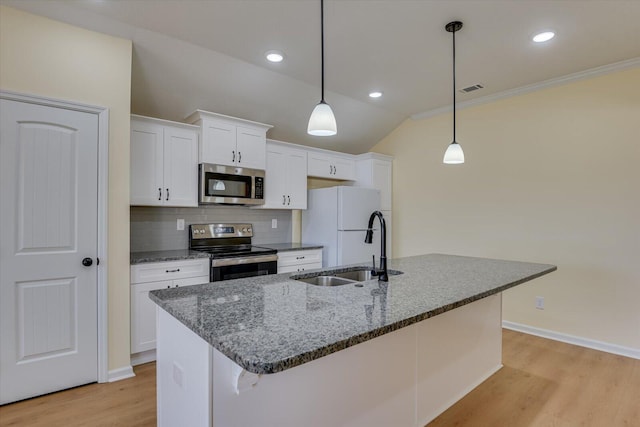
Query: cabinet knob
87,262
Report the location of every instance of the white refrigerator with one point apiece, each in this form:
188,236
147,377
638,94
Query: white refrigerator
337,218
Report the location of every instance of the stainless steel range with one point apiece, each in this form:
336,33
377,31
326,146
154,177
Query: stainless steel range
231,252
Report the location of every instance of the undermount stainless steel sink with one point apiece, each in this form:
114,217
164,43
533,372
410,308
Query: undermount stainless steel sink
339,278
358,275
326,281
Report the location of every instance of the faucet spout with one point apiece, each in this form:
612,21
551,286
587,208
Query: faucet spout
382,274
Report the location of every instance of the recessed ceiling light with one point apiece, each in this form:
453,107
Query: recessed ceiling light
375,94
543,37
274,56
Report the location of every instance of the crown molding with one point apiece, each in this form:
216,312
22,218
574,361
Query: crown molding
569,78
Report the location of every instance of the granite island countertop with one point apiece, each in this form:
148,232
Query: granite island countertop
268,324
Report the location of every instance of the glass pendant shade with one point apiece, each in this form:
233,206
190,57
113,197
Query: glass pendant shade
322,121
454,154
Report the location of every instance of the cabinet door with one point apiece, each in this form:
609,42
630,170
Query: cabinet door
180,167
343,168
297,180
381,180
218,145
276,179
143,315
319,165
147,187
251,145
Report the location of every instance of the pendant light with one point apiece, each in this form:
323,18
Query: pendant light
322,121
454,154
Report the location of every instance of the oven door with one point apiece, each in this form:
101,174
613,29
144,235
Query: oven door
237,268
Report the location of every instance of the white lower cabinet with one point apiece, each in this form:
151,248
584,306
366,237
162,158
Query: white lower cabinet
149,277
299,261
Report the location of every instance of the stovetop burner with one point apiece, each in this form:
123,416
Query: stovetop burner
235,251
225,240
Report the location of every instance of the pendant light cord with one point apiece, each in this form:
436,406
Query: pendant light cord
322,43
454,84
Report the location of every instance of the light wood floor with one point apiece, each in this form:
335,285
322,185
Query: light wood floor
543,383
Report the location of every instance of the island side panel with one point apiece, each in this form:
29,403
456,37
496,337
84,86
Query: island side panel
183,374
370,384
457,351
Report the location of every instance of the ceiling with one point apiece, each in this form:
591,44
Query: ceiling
199,54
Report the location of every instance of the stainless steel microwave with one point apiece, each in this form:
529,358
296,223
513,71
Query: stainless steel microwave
230,185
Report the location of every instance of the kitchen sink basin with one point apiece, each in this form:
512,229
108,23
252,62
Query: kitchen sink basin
326,281
339,278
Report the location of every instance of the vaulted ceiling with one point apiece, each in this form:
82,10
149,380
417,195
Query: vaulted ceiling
199,54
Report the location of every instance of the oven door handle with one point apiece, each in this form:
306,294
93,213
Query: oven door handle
246,260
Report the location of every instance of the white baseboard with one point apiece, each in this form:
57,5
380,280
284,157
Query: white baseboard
462,394
143,357
121,373
634,353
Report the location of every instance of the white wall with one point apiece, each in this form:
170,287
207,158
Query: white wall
551,176
39,56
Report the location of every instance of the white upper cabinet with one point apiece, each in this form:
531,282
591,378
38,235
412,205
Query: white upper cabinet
286,177
374,171
230,141
164,163
324,164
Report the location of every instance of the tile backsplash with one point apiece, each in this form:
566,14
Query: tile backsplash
154,228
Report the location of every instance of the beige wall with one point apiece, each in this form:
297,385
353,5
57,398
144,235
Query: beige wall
42,57
551,176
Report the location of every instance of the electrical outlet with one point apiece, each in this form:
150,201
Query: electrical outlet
180,224
274,223
178,375
540,303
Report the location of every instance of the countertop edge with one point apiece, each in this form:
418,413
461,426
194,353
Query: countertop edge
165,256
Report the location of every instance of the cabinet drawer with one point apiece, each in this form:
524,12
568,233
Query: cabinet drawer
299,268
171,270
300,257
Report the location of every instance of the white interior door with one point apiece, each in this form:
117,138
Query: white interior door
48,225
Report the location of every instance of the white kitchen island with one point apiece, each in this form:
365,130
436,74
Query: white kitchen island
271,351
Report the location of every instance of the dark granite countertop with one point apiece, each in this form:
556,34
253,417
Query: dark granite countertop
284,247
161,256
268,324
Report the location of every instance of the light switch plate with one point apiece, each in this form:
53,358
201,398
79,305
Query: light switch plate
180,225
